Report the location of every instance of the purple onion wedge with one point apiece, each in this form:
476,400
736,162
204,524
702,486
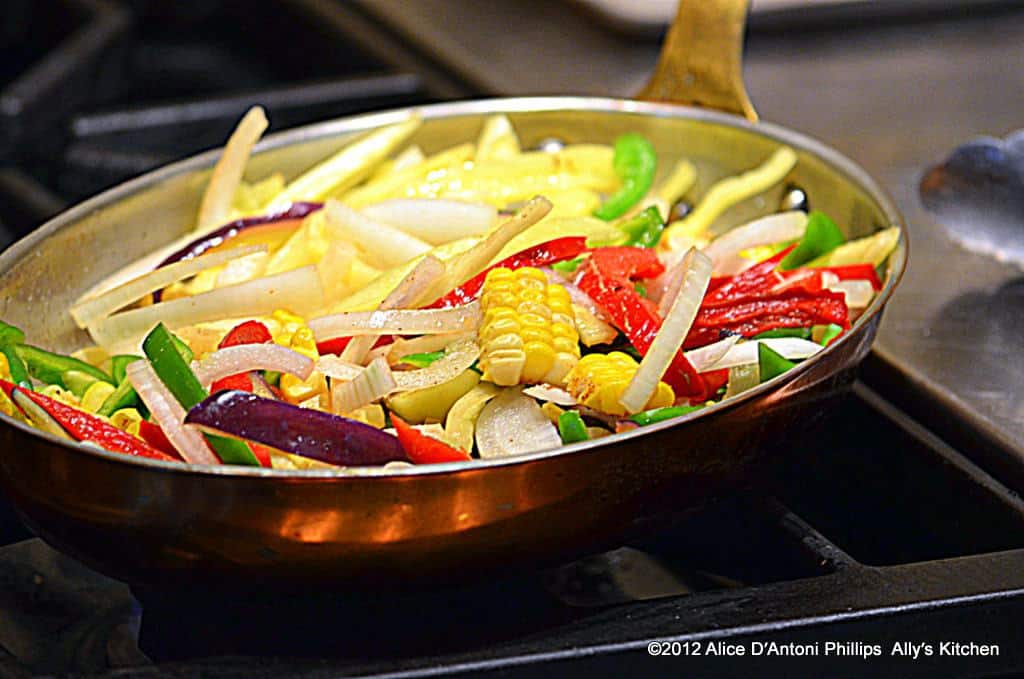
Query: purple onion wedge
300,431
221,234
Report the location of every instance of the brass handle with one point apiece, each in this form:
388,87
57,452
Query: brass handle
701,62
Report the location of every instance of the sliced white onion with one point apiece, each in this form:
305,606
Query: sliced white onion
243,269
670,337
397,322
744,353
245,357
462,267
513,423
407,293
742,378
436,221
546,392
87,311
460,423
666,286
227,173
401,347
337,369
298,290
725,250
374,382
387,245
859,292
169,414
456,360
703,358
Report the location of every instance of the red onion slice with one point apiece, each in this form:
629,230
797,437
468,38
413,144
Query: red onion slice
299,431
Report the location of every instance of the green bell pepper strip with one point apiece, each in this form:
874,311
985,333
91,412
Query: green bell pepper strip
770,363
571,427
635,163
644,230
122,397
10,335
183,349
272,377
832,331
173,370
662,414
802,333
120,363
19,373
568,266
821,236
424,359
49,367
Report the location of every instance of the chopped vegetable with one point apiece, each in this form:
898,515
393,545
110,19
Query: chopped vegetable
830,332
345,168
599,380
571,427
227,173
432,403
49,367
871,250
801,333
643,230
298,431
168,415
434,221
726,250
745,353
423,449
674,328
726,193
398,322
460,424
298,290
372,383
635,163
528,330
174,372
459,357
388,245
550,252
512,424
770,363
242,358
821,236
90,429
422,360
662,414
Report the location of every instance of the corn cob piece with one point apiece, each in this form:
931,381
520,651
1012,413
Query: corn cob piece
598,381
528,332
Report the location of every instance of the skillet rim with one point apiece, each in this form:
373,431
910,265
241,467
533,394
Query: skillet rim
847,168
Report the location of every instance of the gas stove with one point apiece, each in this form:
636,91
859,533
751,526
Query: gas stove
884,540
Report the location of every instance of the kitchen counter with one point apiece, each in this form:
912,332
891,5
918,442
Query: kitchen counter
896,97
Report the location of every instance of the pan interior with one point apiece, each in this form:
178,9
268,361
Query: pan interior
41,275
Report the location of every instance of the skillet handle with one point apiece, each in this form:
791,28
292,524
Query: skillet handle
701,62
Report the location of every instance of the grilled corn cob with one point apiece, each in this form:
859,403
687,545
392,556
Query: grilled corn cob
598,381
528,332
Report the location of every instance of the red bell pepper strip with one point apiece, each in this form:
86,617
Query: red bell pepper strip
606,278
337,345
249,332
91,429
423,449
154,436
715,380
854,272
557,250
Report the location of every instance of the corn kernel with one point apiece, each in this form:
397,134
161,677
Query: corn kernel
95,395
598,380
126,419
528,331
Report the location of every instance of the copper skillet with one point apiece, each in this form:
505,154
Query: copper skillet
149,522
